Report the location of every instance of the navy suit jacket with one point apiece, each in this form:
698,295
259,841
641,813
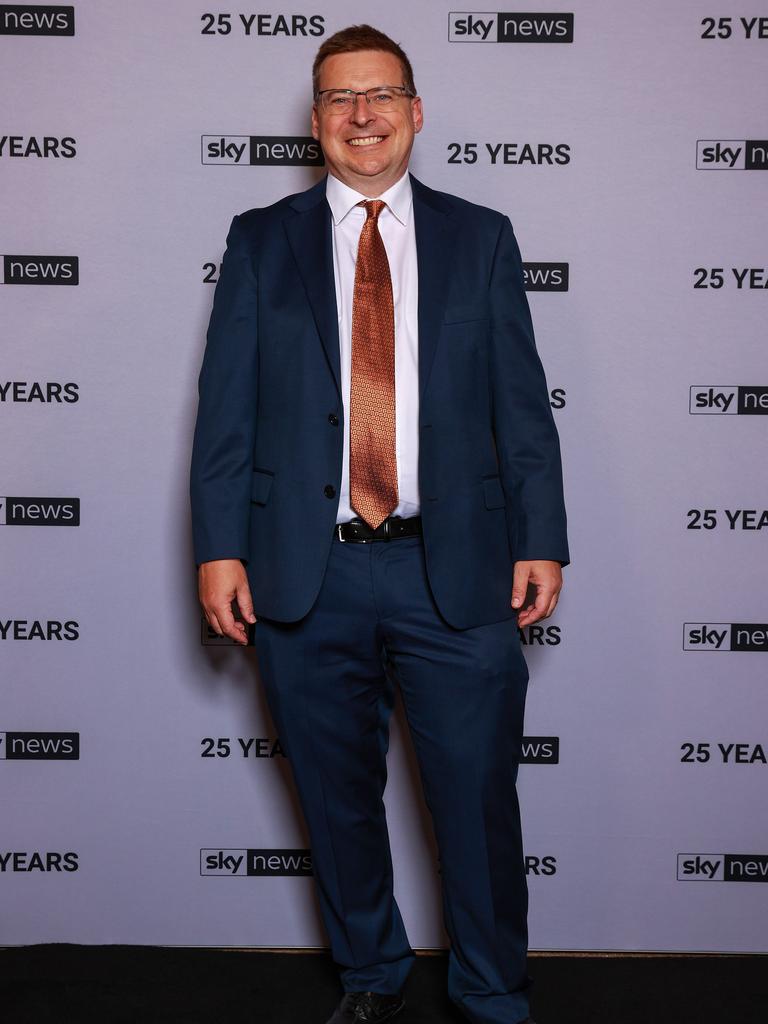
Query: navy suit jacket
267,450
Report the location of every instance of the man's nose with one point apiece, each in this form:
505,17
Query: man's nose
361,112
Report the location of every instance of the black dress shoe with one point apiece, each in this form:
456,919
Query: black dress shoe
367,1008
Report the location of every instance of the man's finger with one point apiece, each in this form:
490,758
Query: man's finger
213,622
519,583
229,626
245,602
536,611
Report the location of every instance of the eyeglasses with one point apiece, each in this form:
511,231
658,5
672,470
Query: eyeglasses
380,98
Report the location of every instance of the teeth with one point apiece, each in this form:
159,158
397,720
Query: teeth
369,141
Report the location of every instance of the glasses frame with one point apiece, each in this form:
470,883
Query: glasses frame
402,89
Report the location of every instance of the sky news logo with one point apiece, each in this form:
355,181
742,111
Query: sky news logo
39,511
39,746
511,27
732,154
255,863
34,20
261,150
722,867
540,750
545,277
727,400
725,636
41,270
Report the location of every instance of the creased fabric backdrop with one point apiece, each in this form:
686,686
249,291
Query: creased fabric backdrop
145,795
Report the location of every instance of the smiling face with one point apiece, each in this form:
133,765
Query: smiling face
367,150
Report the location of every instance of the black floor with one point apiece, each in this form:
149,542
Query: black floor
142,985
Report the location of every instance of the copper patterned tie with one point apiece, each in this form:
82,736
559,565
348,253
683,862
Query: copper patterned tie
372,461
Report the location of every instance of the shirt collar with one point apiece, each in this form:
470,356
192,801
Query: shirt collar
341,198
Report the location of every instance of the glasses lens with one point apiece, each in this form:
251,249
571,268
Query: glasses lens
337,101
381,98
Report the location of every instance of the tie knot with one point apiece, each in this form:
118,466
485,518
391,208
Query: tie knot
373,208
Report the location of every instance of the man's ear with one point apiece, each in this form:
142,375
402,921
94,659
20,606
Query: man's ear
417,114
315,123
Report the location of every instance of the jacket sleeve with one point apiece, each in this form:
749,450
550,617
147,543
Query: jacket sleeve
526,436
222,448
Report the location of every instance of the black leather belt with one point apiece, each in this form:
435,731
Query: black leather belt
358,531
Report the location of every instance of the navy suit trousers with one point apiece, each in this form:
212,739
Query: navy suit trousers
329,680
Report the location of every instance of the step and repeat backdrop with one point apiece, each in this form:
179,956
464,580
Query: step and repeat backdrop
146,797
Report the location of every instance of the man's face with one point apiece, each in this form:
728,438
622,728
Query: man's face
380,156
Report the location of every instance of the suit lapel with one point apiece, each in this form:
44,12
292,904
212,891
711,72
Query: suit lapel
309,235
435,241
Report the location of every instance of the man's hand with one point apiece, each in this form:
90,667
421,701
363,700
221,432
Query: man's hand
219,583
547,578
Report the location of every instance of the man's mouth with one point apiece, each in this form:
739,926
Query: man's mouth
366,140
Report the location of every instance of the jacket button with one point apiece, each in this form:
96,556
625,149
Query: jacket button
333,419
329,491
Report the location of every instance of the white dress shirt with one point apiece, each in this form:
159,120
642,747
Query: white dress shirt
399,236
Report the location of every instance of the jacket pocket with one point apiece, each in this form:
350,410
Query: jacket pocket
261,486
493,492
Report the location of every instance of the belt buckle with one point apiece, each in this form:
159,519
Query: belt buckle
357,540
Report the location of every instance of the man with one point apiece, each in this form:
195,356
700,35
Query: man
376,482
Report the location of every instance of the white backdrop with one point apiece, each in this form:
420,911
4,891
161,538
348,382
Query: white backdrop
114,207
